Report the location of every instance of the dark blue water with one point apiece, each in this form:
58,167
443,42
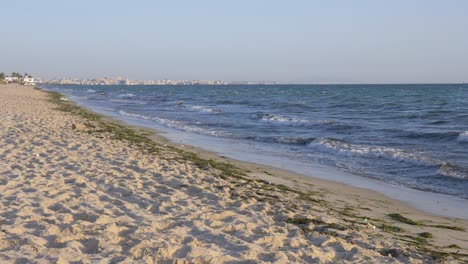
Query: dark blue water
410,135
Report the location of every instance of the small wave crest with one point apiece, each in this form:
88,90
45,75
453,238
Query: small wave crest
125,113
127,95
299,141
203,109
463,137
294,140
91,91
343,148
285,120
176,124
452,170
340,147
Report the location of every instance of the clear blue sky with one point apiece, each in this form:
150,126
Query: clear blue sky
300,41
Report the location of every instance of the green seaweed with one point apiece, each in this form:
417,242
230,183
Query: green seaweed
389,252
141,139
417,240
425,235
337,226
453,246
400,218
202,163
390,228
456,228
300,221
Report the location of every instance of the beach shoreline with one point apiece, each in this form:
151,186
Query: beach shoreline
425,202
422,200
425,181
322,206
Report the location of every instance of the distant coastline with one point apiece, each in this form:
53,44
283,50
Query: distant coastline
113,82
126,81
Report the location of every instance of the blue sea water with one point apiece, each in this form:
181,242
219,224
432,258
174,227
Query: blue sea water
409,135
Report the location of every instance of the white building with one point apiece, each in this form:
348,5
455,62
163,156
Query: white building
10,79
28,81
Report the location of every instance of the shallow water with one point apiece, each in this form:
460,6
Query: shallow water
409,135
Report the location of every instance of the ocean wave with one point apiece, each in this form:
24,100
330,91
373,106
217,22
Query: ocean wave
176,124
203,109
127,95
91,91
294,140
463,137
452,170
282,140
281,119
292,121
340,147
125,113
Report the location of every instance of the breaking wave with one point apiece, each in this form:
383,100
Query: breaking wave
298,141
291,121
340,147
176,124
452,170
463,137
203,109
128,95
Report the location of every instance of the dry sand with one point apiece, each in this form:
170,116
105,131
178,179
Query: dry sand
70,194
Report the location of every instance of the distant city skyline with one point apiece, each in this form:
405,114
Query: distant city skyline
126,81
301,41
121,80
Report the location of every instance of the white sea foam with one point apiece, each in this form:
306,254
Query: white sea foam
293,121
282,119
203,109
91,91
451,170
463,137
175,124
124,113
346,149
294,140
128,95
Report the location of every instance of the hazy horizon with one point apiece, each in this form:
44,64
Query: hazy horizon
287,42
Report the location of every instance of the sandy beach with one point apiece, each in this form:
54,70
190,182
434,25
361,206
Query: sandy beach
78,188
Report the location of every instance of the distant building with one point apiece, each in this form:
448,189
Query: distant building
10,79
123,82
28,81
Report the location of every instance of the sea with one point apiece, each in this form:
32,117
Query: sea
414,136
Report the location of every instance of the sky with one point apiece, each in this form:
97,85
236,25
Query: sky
295,41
